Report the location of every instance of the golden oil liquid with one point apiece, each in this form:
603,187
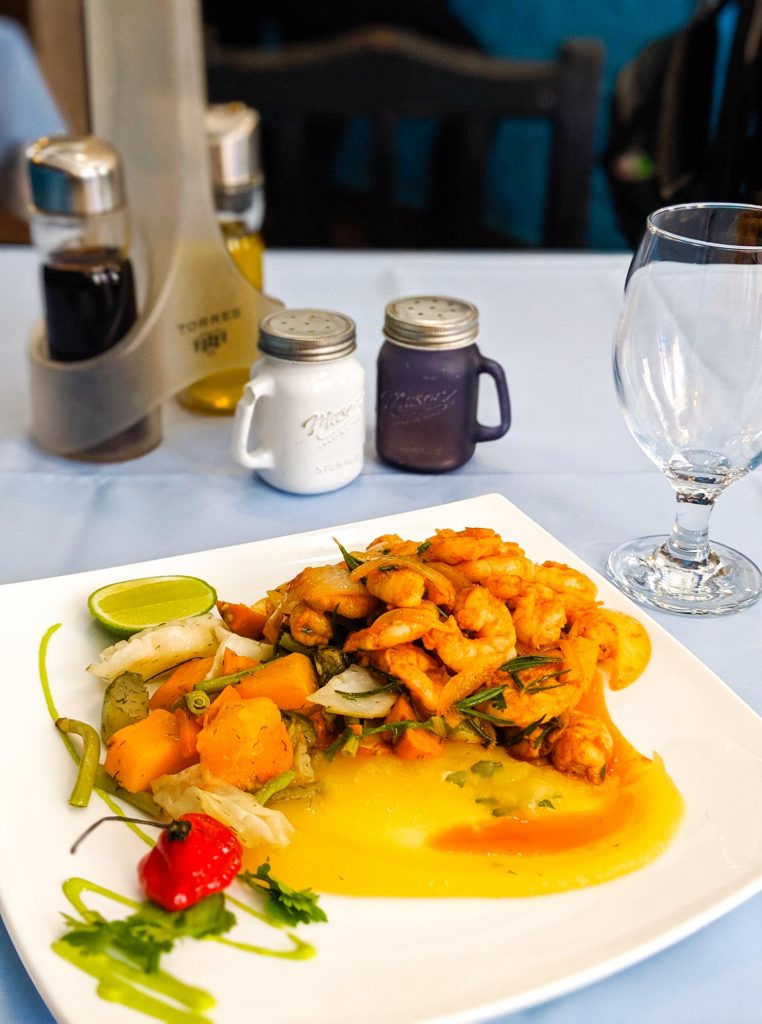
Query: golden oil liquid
219,392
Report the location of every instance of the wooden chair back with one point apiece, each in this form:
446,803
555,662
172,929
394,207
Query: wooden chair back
306,92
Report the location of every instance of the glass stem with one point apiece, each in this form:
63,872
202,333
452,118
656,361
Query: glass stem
689,540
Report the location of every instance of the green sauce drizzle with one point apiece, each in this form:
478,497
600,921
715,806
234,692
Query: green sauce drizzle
121,982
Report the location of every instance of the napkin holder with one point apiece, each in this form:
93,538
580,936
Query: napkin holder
147,94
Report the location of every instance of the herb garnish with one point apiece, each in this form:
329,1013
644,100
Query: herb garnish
362,694
486,769
547,803
525,661
535,687
456,778
350,561
523,733
285,905
398,727
423,547
547,727
144,936
467,705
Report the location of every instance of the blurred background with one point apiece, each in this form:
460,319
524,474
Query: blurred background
444,123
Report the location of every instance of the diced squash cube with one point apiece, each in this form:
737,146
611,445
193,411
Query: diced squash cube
246,743
140,753
230,693
287,681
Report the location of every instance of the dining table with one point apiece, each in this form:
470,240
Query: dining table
568,461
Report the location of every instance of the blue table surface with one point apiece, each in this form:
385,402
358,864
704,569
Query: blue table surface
568,462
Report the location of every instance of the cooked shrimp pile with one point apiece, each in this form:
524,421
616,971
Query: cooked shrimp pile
398,649
462,637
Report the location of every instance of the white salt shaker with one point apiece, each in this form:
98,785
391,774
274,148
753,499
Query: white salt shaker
300,423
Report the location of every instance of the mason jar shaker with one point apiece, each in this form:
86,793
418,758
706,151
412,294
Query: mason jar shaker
300,423
428,384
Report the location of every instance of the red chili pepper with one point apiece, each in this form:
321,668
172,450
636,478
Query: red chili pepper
195,856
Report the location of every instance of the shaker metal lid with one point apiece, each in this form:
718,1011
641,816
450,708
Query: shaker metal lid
431,321
75,174
307,335
232,134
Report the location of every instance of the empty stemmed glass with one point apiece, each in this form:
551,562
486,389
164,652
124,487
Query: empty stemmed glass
688,372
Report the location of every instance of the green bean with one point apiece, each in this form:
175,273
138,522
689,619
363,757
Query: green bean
287,642
295,793
197,702
275,785
351,744
219,684
88,762
142,801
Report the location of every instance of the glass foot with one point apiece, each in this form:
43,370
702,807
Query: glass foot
648,573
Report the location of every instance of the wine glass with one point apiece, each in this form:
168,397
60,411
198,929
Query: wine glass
688,373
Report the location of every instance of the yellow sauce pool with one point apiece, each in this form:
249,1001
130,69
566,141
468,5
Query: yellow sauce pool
382,826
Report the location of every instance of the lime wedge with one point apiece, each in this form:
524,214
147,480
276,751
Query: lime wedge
127,607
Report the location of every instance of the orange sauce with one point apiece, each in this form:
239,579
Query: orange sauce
550,834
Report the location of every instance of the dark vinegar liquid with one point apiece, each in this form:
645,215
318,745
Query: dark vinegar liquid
89,302
90,305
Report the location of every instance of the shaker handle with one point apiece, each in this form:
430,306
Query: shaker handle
259,458
495,370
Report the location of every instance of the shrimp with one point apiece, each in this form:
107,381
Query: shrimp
623,643
593,624
504,575
401,588
548,690
396,626
309,627
330,588
392,544
417,670
453,546
576,590
538,615
582,746
476,612
402,581
323,588
510,561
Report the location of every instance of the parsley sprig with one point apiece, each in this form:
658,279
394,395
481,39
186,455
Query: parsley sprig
143,937
284,905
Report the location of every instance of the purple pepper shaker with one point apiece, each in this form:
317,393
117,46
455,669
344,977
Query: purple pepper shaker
428,385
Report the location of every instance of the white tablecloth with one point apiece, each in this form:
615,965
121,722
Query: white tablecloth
568,461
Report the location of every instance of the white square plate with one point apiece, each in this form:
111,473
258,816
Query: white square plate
442,961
